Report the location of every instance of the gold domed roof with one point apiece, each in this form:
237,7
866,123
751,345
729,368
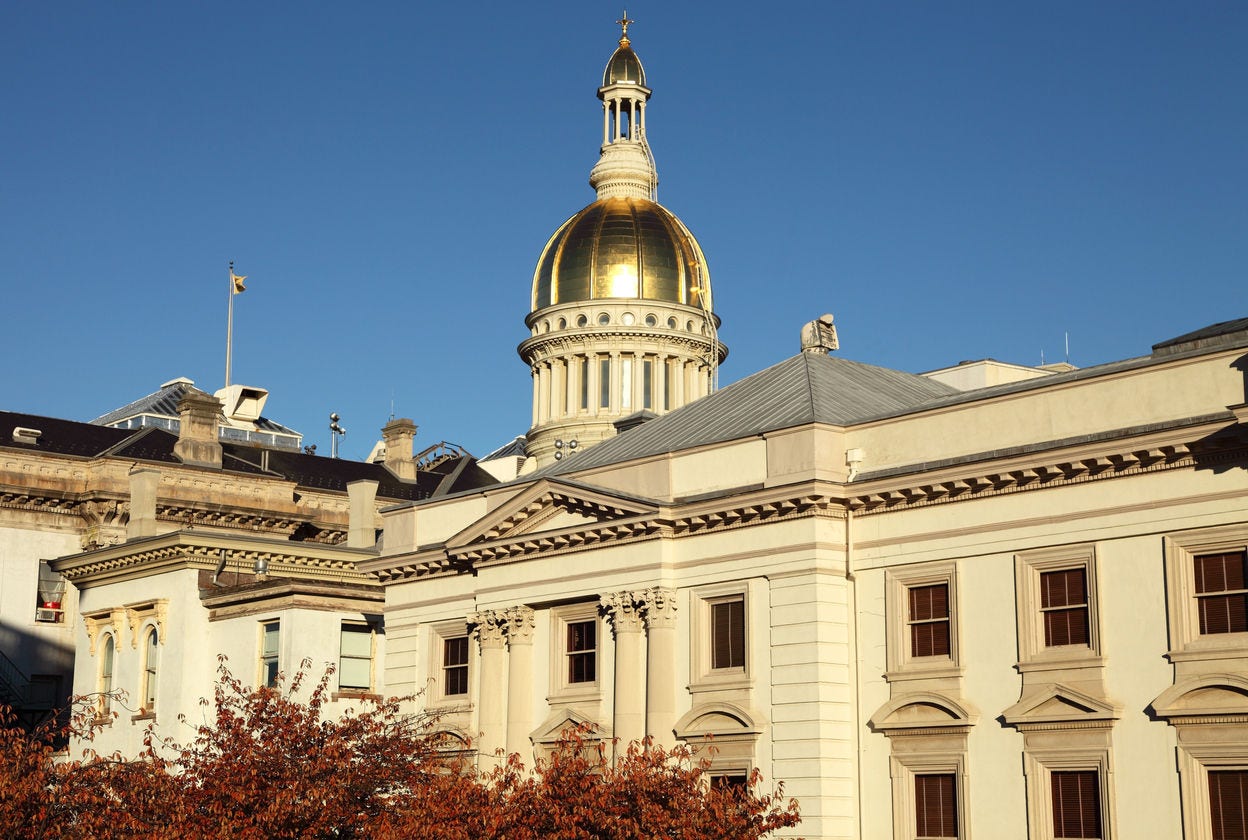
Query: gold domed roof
624,66
622,248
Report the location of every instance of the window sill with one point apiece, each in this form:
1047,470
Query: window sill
1057,659
142,716
589,694
355,694
941,669
1232,646
733,681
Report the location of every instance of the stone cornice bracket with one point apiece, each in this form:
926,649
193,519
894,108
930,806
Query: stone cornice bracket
659,607
623,609
490,628
519,626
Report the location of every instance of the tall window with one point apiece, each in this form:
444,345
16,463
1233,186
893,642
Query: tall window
1064,605
604,381
647,383
935,806
455,666
1076,804
1221,595
151,660
105,683
626,383
270,636
583,376
582,651
1228,804
728,633
929,620
355,662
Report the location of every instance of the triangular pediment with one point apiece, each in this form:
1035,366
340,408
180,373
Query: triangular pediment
562,724
1060,704
550,506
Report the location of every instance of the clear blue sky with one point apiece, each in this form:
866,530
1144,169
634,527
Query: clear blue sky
951,180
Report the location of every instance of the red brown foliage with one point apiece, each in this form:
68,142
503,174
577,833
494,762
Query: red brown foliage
270,765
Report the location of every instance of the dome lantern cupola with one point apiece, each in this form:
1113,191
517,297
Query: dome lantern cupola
621,319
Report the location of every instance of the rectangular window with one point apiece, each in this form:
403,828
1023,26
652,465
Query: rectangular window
270,636
1076,804
583,376
1064,605
626,383
669,385
355,663
1221,596
604,382
929,620
455,666
647,383
935,806
582,651
728,634
1228,795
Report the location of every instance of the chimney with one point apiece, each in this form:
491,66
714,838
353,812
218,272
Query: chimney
143,488
197,443
362,514
397,435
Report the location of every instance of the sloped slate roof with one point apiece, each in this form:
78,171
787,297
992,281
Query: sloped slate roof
806,388
513,448
87,440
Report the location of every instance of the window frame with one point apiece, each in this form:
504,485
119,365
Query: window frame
106,673
149,675
1029,570
1039,766
704,676
263,657
560,619
356,627
1195,763
902,664
905,767
1183,615
440,633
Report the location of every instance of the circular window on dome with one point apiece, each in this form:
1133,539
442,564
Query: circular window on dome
671,323
581,320
652,321
628,319
563,323
604,319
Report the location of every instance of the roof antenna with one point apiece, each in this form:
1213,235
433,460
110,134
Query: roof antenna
391,402
1067,346
336,431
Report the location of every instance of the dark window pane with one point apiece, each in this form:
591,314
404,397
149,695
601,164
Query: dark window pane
728,634
1066,627
1222,605
935,805
1076,804
1228,792
455,665
928,602
582,655
1065,588
930,639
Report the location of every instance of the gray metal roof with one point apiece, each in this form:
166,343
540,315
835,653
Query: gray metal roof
164,403
806,388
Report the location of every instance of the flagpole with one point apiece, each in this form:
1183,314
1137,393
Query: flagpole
229,327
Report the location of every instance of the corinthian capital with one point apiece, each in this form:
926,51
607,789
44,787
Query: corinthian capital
659,606
622,608
519,625
489,627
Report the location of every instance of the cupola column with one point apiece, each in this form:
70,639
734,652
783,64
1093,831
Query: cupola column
632,120
606,122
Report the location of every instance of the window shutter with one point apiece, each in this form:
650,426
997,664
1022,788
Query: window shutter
728,634
935,806
1064,601
1217,574
929,620
1228,794
1076,804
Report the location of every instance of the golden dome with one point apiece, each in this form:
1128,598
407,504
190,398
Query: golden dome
624,66
622,248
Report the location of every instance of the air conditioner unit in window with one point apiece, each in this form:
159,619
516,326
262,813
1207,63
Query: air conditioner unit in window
50,616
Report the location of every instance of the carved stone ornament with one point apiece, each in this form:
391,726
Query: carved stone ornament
659,607
520,625
623,609
490,628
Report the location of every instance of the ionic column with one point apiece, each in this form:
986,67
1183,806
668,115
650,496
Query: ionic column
595,373
606,122
678,382
519,632
616,133
543,377
659,609
630,667
643,116
536,393
489,629
613,391
632,120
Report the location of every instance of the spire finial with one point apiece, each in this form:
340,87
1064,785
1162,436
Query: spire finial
624,24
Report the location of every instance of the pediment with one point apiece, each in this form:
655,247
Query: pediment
1060,704
923,710
1212,695
550,506
562,721
718,720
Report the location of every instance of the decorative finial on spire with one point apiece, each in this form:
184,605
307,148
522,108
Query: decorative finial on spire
624,23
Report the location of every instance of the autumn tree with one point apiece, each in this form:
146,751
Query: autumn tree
271,763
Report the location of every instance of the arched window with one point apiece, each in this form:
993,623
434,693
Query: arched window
105,682
151,660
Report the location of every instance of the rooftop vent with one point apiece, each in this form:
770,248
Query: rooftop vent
21,434
819,336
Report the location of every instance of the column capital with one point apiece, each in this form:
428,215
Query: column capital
520,625
659,606
622,609
489,628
